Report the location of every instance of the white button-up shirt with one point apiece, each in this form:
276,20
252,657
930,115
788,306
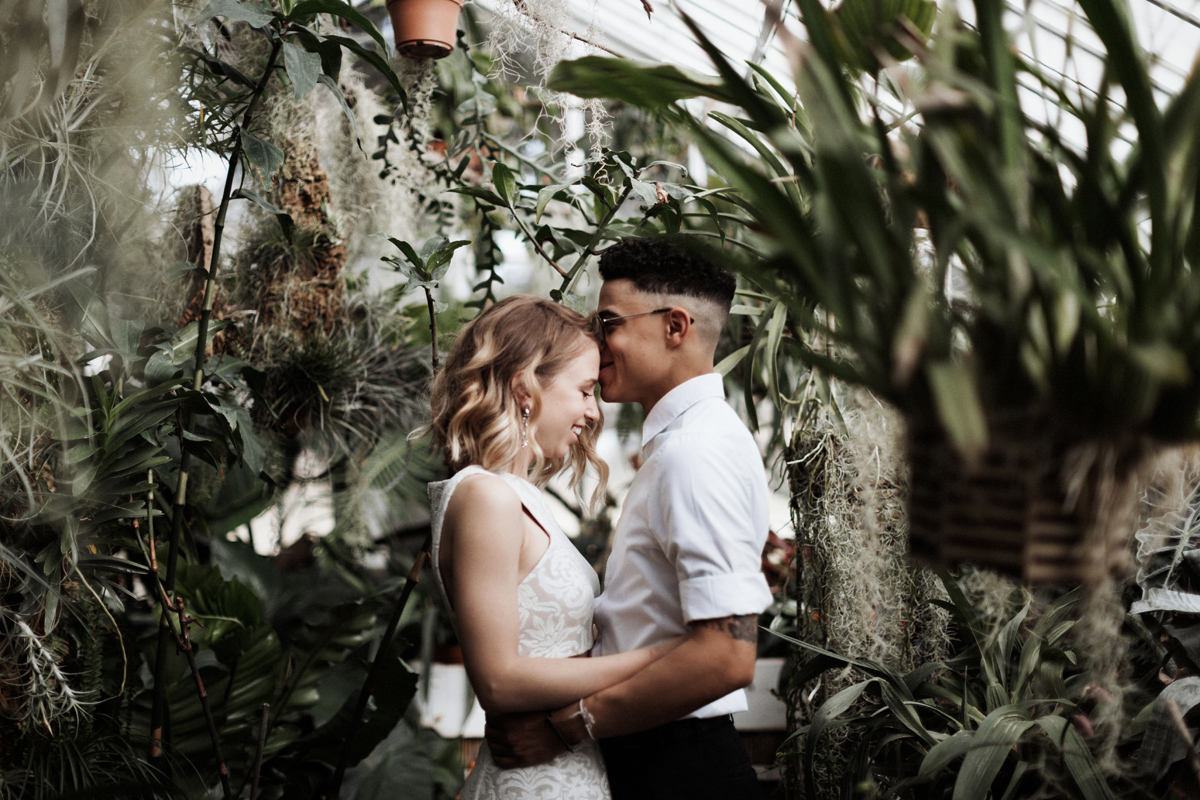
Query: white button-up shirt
689,542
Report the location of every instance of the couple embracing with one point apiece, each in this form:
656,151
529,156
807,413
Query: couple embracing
647,715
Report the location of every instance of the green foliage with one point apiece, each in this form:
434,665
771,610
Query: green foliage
1079,262
594,203
290,640
1168,578
1007,704
424,269
874,35
107,421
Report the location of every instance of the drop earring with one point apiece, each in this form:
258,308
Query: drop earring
525,427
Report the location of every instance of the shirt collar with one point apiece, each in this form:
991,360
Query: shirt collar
680,399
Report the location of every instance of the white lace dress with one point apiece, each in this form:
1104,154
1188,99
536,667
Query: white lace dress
554,604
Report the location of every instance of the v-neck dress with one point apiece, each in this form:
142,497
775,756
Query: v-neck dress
554,604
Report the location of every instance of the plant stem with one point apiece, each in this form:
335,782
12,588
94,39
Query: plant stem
590,250
156,591
185,644
258,753
368,687
158,705
433,344
538,245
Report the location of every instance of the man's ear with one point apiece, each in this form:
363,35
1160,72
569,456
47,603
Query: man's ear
679,323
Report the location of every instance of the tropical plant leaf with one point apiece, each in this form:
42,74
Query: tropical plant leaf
1162,746
505,183
960,410
824,717
991,745
302,67
1077,757
375,60
942,754
343,10
873,32
644,85
264,156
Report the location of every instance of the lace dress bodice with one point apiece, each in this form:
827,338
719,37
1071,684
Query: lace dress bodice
554,605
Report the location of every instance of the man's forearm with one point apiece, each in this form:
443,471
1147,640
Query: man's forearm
710,664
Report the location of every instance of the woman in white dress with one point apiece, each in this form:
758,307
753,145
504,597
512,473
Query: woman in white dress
513,406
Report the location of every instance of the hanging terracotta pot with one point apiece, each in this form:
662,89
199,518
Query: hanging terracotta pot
425,28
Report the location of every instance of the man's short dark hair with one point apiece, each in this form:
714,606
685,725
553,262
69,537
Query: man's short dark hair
660,265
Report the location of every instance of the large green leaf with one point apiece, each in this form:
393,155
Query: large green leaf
1127,62
887,29
945,752
224,607
904,709
394,691
1078,758
640,84
1161,746
960,409
302,67
765,151
266,157
991,745
825,717
339,9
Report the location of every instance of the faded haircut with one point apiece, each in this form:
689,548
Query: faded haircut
670,266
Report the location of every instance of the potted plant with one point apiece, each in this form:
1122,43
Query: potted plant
424,28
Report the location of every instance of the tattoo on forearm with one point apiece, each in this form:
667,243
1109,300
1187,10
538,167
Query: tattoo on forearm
743,628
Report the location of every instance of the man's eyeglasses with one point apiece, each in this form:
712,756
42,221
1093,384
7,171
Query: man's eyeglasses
602,323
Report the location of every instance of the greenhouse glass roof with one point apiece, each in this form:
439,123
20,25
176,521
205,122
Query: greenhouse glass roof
1053,32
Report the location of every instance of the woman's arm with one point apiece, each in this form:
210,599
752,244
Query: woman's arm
484,525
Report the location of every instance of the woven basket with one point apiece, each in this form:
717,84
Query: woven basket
1033,505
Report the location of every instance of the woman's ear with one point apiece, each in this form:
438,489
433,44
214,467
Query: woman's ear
520,392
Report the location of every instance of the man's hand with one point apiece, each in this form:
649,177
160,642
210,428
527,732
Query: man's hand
521,739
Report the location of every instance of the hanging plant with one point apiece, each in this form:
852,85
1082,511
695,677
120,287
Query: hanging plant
425,28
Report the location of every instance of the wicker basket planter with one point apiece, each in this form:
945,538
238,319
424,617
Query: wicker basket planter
1034,505
425,28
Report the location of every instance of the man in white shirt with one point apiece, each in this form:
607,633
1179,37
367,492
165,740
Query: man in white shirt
686,554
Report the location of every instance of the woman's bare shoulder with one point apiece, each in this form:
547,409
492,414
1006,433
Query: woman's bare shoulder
483,493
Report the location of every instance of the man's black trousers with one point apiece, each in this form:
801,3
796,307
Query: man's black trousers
689,758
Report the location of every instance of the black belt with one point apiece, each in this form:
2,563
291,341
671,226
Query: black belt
680,729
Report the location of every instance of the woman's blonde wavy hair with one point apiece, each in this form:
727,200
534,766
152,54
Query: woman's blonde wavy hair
477,416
